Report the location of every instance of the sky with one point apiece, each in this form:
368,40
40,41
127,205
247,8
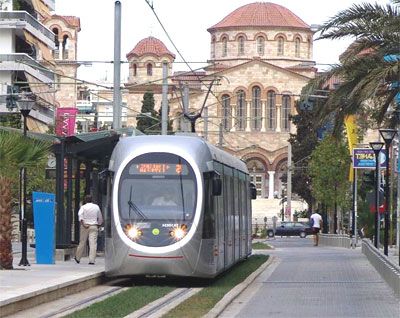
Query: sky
186,22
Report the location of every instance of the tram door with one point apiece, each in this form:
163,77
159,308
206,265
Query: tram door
229,215
219,210
236,214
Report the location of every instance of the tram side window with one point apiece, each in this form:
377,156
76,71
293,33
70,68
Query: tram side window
209,213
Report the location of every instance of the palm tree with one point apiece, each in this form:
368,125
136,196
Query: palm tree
363,71
15,151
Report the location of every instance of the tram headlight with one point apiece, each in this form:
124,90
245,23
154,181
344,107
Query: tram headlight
133,232
179,232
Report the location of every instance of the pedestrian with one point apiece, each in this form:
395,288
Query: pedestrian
316,221
90,219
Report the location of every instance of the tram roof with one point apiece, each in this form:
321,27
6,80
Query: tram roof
192,142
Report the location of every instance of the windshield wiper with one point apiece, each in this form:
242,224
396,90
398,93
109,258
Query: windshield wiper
135,207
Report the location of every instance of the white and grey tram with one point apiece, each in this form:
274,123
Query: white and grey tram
176,206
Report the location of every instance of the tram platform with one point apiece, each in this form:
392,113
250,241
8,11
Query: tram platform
27,286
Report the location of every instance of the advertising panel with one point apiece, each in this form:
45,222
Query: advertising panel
364,158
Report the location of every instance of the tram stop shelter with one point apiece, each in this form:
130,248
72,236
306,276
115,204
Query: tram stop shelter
80,162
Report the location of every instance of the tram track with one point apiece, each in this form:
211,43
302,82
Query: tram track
78,301
160,306
74,301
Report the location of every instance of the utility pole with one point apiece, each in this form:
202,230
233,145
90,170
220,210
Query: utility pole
185,122
289,183
220,135
117,113
164,105
205,123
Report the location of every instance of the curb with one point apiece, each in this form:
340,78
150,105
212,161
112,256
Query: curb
37,297
237,290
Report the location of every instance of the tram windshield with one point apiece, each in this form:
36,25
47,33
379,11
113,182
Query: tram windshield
157,186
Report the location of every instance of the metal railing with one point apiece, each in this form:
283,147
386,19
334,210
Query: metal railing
26,17
389,271
337,240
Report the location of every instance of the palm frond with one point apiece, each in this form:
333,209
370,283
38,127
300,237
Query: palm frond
17,151
360,21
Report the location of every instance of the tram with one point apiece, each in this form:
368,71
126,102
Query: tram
176,206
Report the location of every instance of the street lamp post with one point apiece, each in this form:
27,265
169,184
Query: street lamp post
387,135
376,147
25,104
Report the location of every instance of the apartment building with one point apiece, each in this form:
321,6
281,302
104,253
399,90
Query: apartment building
36,49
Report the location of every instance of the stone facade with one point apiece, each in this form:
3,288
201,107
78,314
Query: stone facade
64,56
259,72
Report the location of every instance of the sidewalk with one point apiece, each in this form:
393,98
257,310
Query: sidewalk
321,281
43,282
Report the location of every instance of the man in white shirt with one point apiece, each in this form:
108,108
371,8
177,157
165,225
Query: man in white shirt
90,218
316,221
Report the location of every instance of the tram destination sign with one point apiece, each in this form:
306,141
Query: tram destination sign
158,168
364,158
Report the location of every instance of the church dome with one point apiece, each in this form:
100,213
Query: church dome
152,46
261,14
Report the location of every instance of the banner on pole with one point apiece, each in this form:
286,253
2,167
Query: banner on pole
65,121
351,129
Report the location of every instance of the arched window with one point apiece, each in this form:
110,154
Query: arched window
260,45
281,44
134,70
149,69
213,47
56,51
271,110
256,108
286,106
224,46
65,46
226,112
309,49
241,110
297,47
241,45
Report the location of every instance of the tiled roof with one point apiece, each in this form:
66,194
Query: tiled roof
150,45
261,14
71,20
193,79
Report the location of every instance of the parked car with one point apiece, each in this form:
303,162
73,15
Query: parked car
291,229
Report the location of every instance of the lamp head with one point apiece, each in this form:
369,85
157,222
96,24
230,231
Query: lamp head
376,146
387,135
26,102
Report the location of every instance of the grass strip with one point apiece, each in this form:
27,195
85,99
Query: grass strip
261,246
201,303
123,303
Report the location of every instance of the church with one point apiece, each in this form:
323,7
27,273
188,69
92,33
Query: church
260,58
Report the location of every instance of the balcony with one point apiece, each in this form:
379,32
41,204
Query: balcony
23,62
85,107
51,4
23,20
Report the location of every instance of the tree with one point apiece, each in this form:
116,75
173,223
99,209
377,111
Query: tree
16,151
303,143
11,120
149,120
329,167
364,73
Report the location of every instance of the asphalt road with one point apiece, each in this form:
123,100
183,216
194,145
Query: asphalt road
308,281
